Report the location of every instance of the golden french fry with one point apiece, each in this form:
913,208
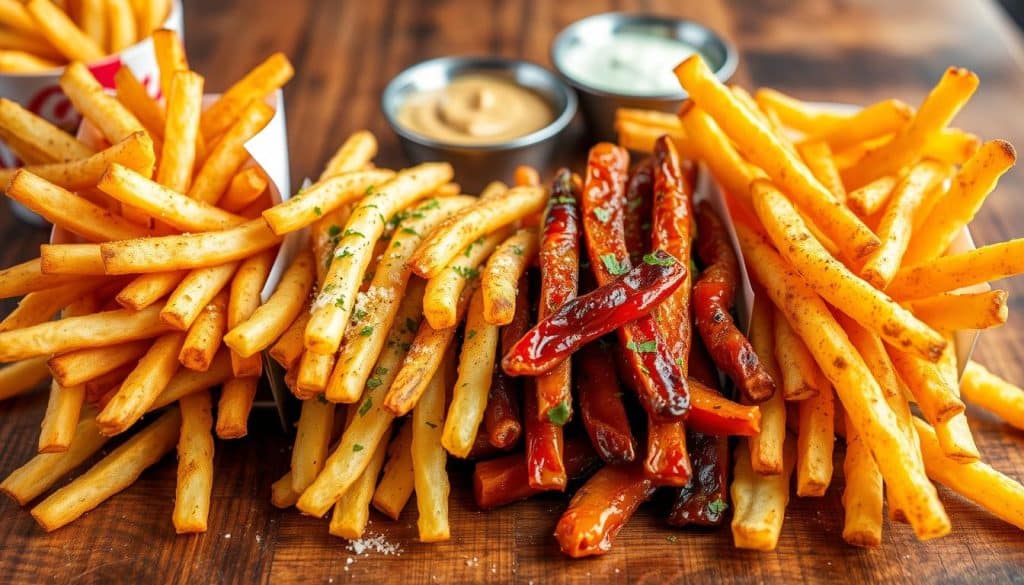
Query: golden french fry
289,346
166,253
952,312
978,482
37,307
814,444
261,81
273,318
110,475
61,418
28,42
843,289
818,158
196,291
640,137
314,373
665,120
150,15
983,388
860,394
22,62
101,109
950,94
141,388
952,146
28,277
767,445
309,205
862,494
872,197
170,58
62,33
396,482
333,306
281,493
429,459
233,409
875,121
195,464
766,116
799,115
229,154
70,259
92,16
457,233
20,377
976,179
526,175
714,148
759,501
78,367
762,147
204,336
800,376
955,271
134,96
245,187
122,29
55,144
244,300
932,392
147,289
135,152
184,104
352,511
357,150
500,276
186,381
954,435
14,15
441,298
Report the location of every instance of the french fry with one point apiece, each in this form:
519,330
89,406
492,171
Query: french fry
244,300
164,203
102,110
664,120
378,306
952,146
952,312
135,152
70,259
288,348
281,493
78,367
134,96
978,482
312,438
976,179
877,120
61,32
456,234
955,271
141,388
99,390
526,175
110,475
21,62
37,307
766,446
195,464
170,59
271,319
759,145
314,373
954,435
798,115
233,409
828,277
27,277
69,211
37,475
147,289
229,154
641,137
151,15
397,480
204,336
441,298
799,376
96,330
990,392
818,158
261,81
20,377
714,148
862,494
428,460
27,42
310,204
185,381
469,396
814,444
357,150
14,15
61,418
860,394
766,116
759,501
932,392
896,223
52,142
245,187
352,512
122,31
333,306
500,276
184,103
194,292
869,199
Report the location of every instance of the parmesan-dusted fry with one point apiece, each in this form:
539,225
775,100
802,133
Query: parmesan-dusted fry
441,298
141,388
196,291
759,501
233,409
205,335
195,464
500,276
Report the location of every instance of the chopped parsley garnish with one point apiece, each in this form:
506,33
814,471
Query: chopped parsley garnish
679,362
409,230
602,215
655,260
411,325
559,414
564,200
351,232
369,190
374,382
632,204
333,231
360,314
643,347
431,203
613,266
471,334
340,302
380,370
366,331
718,507
517,250
357,448
365,406
344,253
318,211
469,249
466,272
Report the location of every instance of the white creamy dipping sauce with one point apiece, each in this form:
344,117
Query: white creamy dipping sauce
628,62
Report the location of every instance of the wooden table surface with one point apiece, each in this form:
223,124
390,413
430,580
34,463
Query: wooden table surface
344,53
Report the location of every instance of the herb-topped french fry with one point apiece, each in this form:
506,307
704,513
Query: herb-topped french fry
428,460
357,150
321,198
501,274
397,481
441,299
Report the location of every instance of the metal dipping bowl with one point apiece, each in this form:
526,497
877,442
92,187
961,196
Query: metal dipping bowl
598,105
478,164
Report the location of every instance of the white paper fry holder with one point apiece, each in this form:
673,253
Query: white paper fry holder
268,150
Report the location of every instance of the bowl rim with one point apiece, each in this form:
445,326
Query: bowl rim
552,129
723,72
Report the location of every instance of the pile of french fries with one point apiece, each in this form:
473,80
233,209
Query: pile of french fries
42,35
165,250
846,221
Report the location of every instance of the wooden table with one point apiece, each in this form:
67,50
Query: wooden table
344,53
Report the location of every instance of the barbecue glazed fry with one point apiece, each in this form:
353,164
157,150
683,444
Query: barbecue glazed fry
601,408
501,481
545,465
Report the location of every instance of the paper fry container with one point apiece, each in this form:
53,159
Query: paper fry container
268,150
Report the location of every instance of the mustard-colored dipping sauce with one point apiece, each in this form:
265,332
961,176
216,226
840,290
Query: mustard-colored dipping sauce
476,109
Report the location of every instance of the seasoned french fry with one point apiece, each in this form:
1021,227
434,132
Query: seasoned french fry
976,179
27,42
333,306
270,320
828,277
352,512
196,291
236,399
20,377
759,501
954,435
186,381
205,334
78,367
872,197
262,80
932,392
112,474
36,476
469,396
229,153
441,298
141,388
323,197
862,494
14,15
877,120
244,300
767,445
147,289
112,119
288,348
818,158
983,388
428,460
245,187
640,137
55,144
397,481
814,444
96,330
526,175
500,276
800,376
357,150
860,394
760,145
314,374
981,310
170,59
195,464
184,103
959,270
135,152
37,307
133,95
151,15
70,259
62,33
